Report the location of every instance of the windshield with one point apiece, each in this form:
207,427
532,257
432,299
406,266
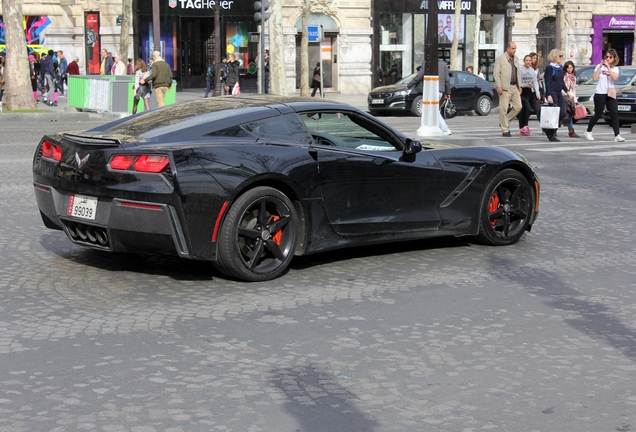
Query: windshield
406,80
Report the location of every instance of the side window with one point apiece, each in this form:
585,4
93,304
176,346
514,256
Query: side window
467,78
345,130
287,128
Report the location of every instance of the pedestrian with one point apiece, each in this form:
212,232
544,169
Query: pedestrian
535,65
266,70
142,91
42,88
482,69
106,64
1,80
606,73
62,71
223,75
118,68
570,83
444,89
73,67
232,75
316,80
160,76
34,74
130,69
469,69
48,71
555,89
209,78
507,83
530,95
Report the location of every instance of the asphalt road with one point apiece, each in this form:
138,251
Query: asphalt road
422,336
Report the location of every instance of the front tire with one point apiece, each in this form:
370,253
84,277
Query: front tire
506,209
258,237
416,107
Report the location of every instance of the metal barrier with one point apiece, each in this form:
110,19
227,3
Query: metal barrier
110,93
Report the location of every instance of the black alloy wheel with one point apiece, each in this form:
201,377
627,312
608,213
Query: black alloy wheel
506,209
258,238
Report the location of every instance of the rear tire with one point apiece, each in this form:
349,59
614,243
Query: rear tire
506,209
258,237
483,106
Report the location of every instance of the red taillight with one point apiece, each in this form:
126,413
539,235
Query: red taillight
151,163
51,151
122,162
141,163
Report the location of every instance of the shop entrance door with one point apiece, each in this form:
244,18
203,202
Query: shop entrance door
545,40
326,49
196,51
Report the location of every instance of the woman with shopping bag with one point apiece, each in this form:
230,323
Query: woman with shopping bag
605,94
555,90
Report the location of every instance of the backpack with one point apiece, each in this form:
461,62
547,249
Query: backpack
211,71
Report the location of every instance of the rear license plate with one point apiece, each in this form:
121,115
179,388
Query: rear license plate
624,107
377,101
82,206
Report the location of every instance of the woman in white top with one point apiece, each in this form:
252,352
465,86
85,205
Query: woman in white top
605,74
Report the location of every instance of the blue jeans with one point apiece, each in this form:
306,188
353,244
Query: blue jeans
210,86
440,120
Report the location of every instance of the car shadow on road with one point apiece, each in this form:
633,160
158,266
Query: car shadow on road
167,265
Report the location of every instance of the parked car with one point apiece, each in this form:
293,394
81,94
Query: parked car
248,182
625,83
626,99
468,92
584,73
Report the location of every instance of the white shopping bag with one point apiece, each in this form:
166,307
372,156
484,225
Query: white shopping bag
550,117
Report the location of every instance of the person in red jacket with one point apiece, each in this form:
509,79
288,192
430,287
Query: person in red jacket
73,67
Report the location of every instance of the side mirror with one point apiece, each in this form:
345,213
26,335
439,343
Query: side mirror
411,148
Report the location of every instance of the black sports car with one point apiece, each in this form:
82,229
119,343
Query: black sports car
249,181
468,93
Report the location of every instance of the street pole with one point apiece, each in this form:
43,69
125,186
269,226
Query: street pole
430,86
156,26
217,52
510,14
558,8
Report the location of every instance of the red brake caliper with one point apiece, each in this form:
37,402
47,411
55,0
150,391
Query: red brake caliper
279,234
493,206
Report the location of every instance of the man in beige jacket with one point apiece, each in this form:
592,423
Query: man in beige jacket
508,85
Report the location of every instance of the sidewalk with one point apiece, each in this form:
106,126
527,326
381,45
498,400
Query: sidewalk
63,111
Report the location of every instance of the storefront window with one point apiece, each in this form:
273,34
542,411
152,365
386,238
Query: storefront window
485,30
391,29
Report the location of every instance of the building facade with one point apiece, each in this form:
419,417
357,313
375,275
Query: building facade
365,42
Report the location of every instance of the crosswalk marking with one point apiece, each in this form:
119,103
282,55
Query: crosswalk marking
576,148
614,153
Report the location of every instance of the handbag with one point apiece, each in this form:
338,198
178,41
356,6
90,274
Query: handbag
580,112
448,109
550,117
237,89
611,92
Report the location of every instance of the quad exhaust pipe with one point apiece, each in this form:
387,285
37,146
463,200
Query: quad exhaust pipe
87,233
